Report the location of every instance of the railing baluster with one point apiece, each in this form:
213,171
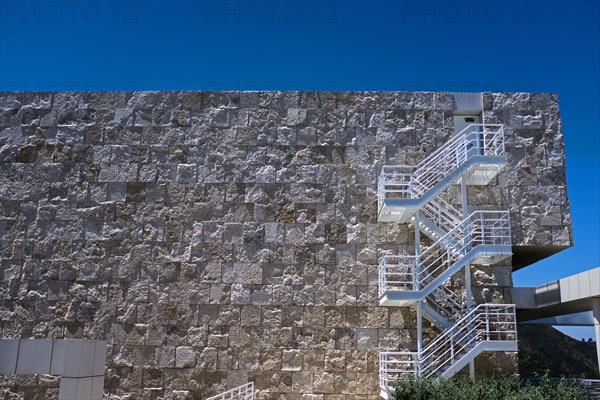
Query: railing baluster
487,323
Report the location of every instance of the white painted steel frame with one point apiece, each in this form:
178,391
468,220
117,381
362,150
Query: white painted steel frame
243,392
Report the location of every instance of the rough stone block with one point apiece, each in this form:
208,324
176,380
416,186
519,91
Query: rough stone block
291,360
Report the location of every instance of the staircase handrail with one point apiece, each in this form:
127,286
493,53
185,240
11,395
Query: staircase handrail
243,392
479,232
391,268
445,301
457,149
441,213
466,331
486,322
416,272
413,181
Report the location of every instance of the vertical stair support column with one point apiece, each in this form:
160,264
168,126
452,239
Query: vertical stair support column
596,314
419,304
419,336
467,234
468,294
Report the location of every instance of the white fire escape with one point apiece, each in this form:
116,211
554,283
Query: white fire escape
243,392
413,194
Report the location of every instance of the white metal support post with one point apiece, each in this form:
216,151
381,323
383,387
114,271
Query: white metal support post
596,312
465,210
467,236
419,306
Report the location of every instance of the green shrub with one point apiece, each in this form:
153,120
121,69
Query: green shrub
488,389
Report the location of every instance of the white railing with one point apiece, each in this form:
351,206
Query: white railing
244,392
442,300
480,228
475,139
411,273
592,387
395,182
442,214
397,273
485,323
410,182
447,303
490,227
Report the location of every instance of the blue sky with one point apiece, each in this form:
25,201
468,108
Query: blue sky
547,46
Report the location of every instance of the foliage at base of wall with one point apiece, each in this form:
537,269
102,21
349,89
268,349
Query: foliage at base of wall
488,389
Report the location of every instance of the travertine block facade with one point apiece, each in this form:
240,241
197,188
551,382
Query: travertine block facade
215,238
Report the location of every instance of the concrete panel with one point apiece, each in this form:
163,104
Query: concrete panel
595,282
547,294
584,284
34,357
524,297
58,353
79,358
97,388
84,388
68,388
564,290
99,358
571,284
467,102
75,388
9,349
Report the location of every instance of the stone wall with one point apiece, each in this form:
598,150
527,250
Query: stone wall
219,237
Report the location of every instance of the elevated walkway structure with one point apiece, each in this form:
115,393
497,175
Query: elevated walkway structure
574,300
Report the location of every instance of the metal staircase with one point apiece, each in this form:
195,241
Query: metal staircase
488,327
243,392
475,154
415,195
486,242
